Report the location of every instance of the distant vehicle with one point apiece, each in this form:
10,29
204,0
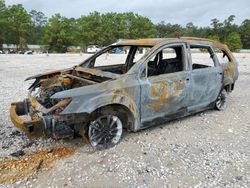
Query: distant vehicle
108,92
20,52
93,48
29,52
10,51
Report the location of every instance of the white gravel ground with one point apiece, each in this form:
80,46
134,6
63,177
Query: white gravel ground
210,149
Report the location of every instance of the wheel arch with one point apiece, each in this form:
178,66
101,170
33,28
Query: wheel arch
90,105
127,116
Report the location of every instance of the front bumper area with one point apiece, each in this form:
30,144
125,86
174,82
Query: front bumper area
33,127
42,122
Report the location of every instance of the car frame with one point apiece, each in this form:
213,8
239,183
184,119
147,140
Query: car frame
134,95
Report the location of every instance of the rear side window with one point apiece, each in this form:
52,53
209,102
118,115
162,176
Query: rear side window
202,57
222,56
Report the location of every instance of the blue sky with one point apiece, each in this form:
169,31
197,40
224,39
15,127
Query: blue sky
200,12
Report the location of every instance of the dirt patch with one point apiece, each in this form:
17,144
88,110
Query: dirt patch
30,165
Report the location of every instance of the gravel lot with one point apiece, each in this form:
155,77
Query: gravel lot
209,149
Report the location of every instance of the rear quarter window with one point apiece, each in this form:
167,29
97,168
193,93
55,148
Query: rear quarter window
202,57
222,56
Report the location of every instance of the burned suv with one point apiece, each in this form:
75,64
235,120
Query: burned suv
130,84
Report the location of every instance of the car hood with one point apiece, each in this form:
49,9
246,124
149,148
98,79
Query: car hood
91,71
48,73
85,90
96,89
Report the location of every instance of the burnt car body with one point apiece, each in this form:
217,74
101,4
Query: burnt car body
170,79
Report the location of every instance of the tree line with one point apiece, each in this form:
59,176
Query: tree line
20,27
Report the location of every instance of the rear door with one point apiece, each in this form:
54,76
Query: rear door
206,77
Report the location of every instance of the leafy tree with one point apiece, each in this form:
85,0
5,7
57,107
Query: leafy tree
19,22
190,30
37,27
233,41
214,37
223,29
23,43
204,32
138,26
216,24
229,27
229,21
19,27
3,23
216,29
161,29
38,18
89,29
59,33
245,33
113,27
104,29
168,30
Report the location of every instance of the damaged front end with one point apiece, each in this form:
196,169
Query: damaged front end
43,121
45,112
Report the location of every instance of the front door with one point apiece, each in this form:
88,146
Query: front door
164,92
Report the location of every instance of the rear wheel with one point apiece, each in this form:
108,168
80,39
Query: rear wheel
105,131
220,103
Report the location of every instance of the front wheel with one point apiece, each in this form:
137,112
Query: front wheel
220,103
105,131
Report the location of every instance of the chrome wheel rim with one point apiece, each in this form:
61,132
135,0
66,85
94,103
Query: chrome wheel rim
105,132
221,101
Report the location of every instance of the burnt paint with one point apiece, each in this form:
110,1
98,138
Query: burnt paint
164,97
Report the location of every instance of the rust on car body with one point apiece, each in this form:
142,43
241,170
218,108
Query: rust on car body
164,83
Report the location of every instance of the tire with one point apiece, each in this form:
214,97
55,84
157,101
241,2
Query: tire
221,101
105,131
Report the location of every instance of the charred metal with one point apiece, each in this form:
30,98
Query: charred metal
96,100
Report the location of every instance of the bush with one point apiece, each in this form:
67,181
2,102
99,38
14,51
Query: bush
233,41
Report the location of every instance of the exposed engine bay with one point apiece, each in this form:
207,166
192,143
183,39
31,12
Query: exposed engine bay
44,87
45,110
49,87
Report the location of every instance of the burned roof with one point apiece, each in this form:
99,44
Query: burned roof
141,42
155,41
